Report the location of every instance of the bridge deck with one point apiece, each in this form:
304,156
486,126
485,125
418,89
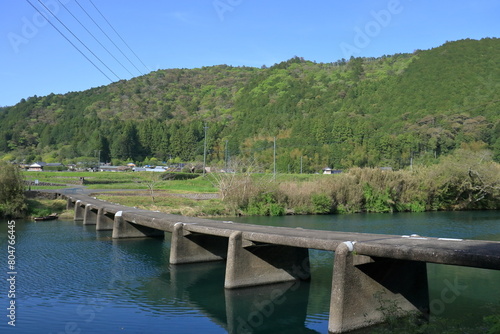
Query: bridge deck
470,253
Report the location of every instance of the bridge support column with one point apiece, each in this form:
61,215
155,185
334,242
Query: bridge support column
69,204
249,264
89,216
79,211
104,222
366,290
187,247
124,229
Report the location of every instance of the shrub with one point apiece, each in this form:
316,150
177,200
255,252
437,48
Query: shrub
178,176
265,204
377,200
494,322
321,203
44,207
466,180
12,199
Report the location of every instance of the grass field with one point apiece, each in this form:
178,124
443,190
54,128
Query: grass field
125,180
133,189
170,196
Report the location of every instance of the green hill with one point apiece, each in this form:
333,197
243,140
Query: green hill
359,112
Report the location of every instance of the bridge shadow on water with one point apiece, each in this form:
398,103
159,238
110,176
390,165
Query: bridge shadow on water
276,308
199,288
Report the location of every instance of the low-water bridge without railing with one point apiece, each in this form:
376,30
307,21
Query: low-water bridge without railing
365,265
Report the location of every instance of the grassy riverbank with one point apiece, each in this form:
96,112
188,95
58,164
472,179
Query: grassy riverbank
183,203
39,207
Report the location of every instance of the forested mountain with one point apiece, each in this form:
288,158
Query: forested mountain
383,111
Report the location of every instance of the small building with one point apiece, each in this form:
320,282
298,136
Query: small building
150,169
114,168
43,166
54,167
36,167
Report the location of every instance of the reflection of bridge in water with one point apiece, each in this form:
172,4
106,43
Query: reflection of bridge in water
275,308
366,266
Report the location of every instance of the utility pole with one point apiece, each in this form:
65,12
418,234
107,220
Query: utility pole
300,164
274,173
205,149
226,156
99,159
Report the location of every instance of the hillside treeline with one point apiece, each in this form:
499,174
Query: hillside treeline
367,112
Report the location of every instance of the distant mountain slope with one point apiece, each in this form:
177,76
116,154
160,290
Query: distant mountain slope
363,112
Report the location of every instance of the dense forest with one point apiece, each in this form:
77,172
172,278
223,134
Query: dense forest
369,112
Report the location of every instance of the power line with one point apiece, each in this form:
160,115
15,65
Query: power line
120,37
119,49
59,31
71,32
95,38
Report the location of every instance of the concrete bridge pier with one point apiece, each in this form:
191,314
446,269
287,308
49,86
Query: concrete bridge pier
69,203
79,211
250,264
366,290
89,215
104,222
188,247
125,229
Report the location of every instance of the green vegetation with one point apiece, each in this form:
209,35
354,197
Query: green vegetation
494,323
399,321
12,200
44,207
398,111
168,203
174,182
466,180
264,204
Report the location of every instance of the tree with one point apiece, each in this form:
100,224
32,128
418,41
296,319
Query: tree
12,199
465,180
496,150
235,183
128,146
151,181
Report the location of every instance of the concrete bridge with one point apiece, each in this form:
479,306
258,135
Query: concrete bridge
366,266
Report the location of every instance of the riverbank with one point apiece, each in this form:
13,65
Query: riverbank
465,181
185,204
40,207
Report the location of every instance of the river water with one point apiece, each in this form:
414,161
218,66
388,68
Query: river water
72,279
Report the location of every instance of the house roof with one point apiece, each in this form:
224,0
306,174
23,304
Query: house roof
39,164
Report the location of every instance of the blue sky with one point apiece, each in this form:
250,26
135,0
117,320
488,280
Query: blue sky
36,60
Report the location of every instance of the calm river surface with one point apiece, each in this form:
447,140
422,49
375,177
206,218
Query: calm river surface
71,279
